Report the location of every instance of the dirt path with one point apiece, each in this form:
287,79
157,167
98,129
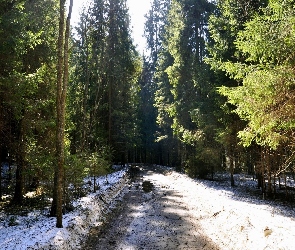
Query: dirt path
152,215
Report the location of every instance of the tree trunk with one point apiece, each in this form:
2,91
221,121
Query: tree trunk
62,80
274,186
85,128
56,207
19,178
268,169
1,172
231,166
285,180
111,67
19,183
262,173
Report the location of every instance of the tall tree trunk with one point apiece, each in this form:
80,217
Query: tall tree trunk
56,203
262,173
19,174
19,183
1,146
231,166
269,162
111,65
62,80
0,171
85,128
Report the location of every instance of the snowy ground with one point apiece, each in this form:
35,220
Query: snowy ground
229,217
181,213
234,220
37,231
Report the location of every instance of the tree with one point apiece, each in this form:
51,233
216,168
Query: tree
189,78
62,81
267,84
155,25
155,33
25,79
265,98
262,96
105,87
224,25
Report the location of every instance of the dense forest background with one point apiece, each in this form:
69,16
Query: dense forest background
215,91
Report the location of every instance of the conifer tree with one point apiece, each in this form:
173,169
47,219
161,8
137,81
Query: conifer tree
27,93
264,99
106,76
188,76
224,25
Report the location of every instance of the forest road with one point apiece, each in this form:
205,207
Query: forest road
151,216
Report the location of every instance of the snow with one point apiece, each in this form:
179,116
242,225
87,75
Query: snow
38,231
230,217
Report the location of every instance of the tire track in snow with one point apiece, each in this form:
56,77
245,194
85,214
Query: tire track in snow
159,219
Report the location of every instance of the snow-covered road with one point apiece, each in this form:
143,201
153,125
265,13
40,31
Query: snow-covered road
178,213
152,220
181,213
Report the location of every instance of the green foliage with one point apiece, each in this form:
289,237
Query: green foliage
88,164
265,98
104,90
189,78
185,96
27,78
227,21
76,169
99,162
